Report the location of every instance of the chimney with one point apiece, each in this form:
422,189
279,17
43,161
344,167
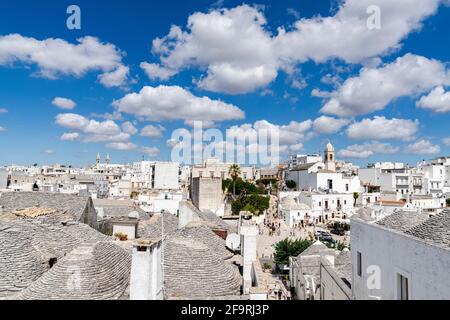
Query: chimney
146,280
248,234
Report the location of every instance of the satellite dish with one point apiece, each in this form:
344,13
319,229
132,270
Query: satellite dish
233,241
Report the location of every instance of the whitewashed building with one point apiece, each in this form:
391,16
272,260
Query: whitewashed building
405,256
323,175
294,212
327,205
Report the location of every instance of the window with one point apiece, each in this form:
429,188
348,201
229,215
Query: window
403,287
330,184
211,174
346,187
359,263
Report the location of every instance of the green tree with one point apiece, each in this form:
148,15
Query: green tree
227,185
341,246
289,248
253,203
234,173
291,184
134,195
448,202
355,197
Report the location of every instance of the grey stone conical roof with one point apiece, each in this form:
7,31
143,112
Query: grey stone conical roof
71,205
206,236
193,271
152,228
436,230
29,249
98,271
403,221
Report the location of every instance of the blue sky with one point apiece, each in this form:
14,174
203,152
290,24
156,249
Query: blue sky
379,94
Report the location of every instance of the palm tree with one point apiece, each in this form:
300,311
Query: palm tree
234,173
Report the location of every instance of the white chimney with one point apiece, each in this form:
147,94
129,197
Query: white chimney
146,280
248,251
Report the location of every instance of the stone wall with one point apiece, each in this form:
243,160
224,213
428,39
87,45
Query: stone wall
207,194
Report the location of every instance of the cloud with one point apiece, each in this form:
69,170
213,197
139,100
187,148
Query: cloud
239,53
231,44
70,136
291,135
236,79
117,116
129,128
204,124
95,131
293,12
446,141
64,103
175,103
366,150
115,78
57,57
122,146
374,89
346,34
383,129
3,110
424,147
152,131
49,152
2,129
156,72
72,121
320,94
152,152
329,125
296,147
437,100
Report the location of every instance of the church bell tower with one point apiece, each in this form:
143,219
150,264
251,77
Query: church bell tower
330,161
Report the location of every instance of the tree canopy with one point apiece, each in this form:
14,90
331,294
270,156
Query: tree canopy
290,248
291,184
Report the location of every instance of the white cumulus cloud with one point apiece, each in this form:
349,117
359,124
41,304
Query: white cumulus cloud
383,129
57,57
122,146
423,147
96,131
64,103
240,53
375,88
366,150
175,103
152,131
70,136
329,125
152,152
438,100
